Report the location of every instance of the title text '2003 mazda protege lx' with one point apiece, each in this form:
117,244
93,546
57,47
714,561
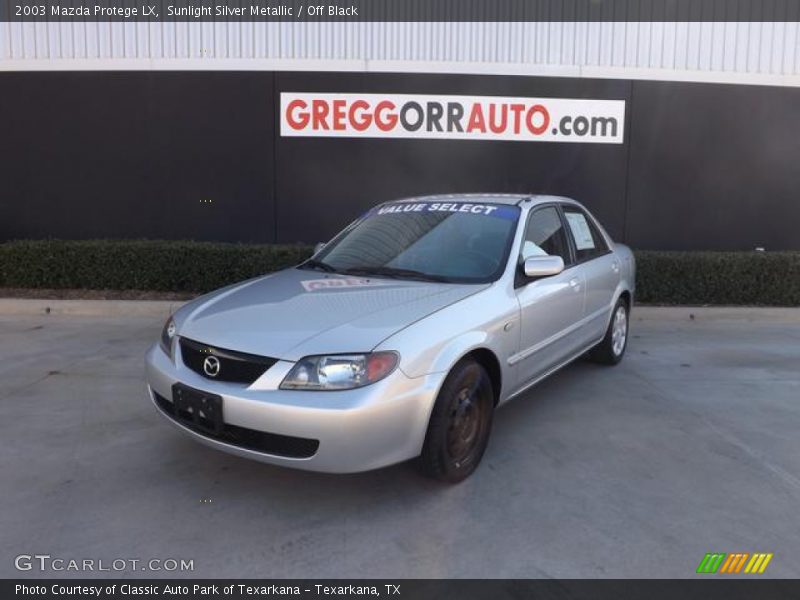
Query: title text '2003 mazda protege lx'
399,337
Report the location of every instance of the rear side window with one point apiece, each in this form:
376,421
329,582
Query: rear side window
588,240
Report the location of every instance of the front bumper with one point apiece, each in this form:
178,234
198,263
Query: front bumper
356,430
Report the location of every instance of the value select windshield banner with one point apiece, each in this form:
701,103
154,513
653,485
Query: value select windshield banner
452,117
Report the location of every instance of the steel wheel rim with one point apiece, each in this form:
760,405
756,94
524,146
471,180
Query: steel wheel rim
464,430
619,330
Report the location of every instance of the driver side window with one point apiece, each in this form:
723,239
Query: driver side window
545,235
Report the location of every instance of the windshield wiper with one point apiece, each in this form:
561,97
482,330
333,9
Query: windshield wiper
317,265
395,273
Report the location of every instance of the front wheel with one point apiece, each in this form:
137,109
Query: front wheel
461,420
611,350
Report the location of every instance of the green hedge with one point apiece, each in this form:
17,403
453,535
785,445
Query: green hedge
139,265
751,278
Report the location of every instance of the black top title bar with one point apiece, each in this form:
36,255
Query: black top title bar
398,10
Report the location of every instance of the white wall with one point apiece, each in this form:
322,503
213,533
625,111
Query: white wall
742,52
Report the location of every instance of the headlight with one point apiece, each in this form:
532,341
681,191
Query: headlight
167,334
339,371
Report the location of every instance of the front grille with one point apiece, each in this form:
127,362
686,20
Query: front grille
249,439
234,367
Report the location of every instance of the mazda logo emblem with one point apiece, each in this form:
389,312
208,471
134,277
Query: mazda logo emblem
211,366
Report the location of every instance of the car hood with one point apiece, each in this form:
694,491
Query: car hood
294,313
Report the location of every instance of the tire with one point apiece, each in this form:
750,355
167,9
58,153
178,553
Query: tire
460,423
611,350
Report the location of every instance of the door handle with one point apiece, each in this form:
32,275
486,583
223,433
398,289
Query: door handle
575,284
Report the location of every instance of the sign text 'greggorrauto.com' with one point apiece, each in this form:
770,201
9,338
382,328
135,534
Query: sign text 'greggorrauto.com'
452,117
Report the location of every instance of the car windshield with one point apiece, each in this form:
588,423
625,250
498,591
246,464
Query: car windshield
458,242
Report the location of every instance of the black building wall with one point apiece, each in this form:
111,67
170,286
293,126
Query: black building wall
197,155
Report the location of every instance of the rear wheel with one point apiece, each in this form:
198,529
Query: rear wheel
458,431
611,350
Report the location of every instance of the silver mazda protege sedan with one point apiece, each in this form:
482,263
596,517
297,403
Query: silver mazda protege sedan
399,337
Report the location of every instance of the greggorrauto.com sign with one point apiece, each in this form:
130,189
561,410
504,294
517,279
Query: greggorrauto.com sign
452,117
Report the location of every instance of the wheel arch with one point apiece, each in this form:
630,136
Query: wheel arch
489,361
623,293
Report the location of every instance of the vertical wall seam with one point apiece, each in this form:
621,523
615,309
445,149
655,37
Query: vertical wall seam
275,133
626,193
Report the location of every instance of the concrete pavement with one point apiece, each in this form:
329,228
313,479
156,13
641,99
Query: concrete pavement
689,446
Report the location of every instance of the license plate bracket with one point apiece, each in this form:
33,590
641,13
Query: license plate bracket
198,410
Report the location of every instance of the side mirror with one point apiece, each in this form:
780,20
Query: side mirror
319,247
543,266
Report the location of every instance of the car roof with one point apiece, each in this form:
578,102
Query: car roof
511,199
